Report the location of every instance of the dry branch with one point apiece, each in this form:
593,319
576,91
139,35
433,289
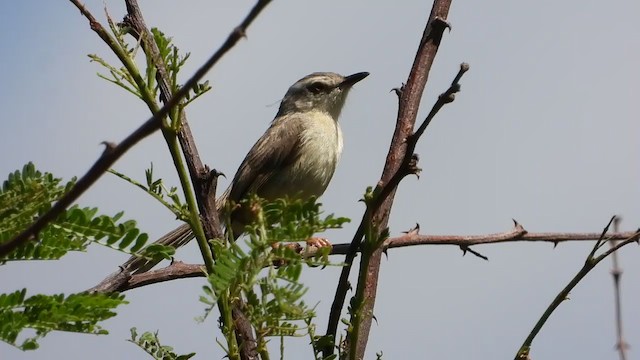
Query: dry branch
180,270
398,159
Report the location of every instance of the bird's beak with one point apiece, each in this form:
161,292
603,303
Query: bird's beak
350,80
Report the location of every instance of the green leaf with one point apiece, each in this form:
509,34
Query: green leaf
45,313
29,193
150,343
157,190
273,295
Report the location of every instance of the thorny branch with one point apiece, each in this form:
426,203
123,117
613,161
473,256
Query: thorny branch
590,263
179,270
397,166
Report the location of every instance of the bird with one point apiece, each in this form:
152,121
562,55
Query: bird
295,158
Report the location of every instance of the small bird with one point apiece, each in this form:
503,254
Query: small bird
295,158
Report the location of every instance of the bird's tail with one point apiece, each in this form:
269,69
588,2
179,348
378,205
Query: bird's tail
177,238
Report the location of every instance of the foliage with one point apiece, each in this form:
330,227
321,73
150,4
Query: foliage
266,276
150,343
174,61
156,188
27,194
146,87
44,313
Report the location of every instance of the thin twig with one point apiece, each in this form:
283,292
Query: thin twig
616,273
590,263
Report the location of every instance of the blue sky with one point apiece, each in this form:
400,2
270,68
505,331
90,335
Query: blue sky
544,131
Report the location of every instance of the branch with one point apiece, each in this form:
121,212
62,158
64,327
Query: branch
518,233
590,264
112,153
616,273
398,159
180,270
134,21
203,179
177,270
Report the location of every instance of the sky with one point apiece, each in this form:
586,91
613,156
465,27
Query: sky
544,131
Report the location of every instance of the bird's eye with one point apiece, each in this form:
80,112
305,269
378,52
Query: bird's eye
317,87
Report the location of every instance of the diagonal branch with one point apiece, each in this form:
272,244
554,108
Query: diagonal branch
113,153
590,263
134,22
397,158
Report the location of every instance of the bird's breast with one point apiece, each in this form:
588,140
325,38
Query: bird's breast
320,150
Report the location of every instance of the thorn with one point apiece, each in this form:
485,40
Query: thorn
555,244
219,173
435,29
518,227
442,22
396,90
466,248
212,175
413,231
413,165
239,31
108,147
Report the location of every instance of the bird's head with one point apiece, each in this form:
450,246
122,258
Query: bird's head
321,91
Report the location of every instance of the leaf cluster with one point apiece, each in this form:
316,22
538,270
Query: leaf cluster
27,194
44,313
144,84
264,275
150,343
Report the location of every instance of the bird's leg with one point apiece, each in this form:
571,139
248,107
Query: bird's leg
314,244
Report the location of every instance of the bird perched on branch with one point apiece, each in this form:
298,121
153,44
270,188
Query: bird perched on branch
295,158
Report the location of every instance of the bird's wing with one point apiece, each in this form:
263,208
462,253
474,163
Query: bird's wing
275,150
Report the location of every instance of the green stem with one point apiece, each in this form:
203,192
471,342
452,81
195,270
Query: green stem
194,216
170,136
130,65
262,347
224,304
